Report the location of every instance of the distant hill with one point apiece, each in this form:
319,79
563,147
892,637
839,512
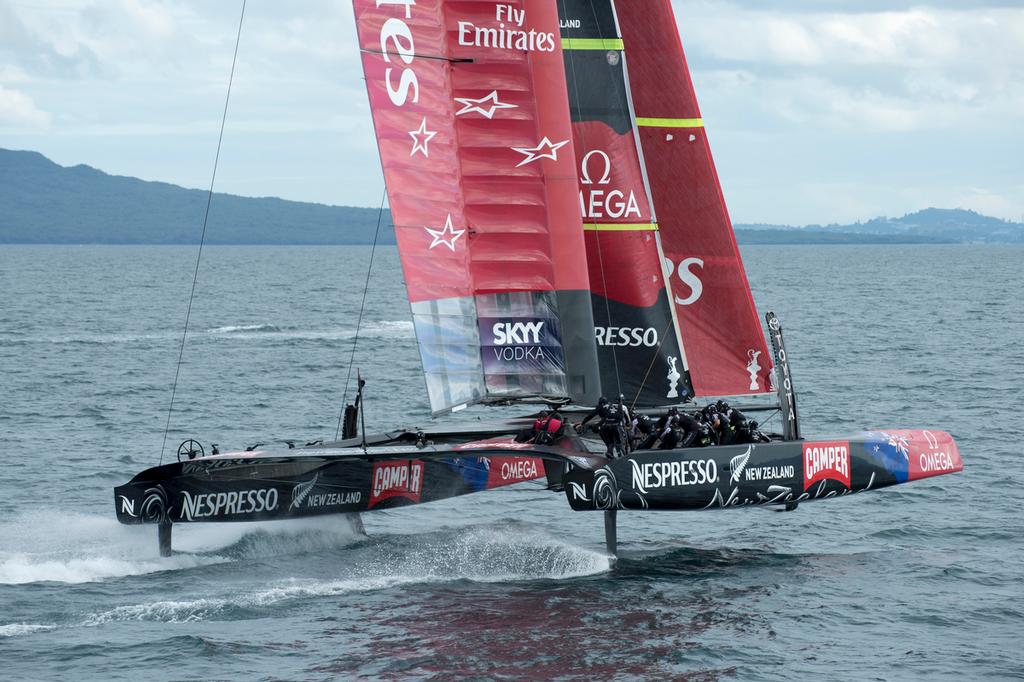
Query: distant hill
44,203
932,225
799,235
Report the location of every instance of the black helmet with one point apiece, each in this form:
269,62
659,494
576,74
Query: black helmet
753,425
722,405
673,411
544,413
602,401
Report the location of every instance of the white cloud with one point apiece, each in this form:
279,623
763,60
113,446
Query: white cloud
921,67
17,110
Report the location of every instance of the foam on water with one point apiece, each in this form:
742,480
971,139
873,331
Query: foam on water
501,553
489,554
81,548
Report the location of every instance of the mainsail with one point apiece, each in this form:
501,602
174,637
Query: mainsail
721,331
469,106
639,350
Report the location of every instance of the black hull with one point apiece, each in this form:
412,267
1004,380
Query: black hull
781,472
266,486
262,486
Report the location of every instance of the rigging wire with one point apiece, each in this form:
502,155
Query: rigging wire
202,237
654,358
359,320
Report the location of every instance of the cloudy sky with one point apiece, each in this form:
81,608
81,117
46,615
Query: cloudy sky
817,110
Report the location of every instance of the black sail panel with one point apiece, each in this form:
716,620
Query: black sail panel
639,349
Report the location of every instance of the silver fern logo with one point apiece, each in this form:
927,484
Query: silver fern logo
306,496
302,491
738,463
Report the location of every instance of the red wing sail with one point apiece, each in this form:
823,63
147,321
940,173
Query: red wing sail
637,337
722,334
469,106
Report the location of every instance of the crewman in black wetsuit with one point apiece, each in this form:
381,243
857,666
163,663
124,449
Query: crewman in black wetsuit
681,430
612,427
734,426
750,433
644,433
713,422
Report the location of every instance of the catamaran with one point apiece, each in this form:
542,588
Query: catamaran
563,236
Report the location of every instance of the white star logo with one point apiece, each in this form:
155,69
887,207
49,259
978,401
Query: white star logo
448,236
420,138
545,150
485,105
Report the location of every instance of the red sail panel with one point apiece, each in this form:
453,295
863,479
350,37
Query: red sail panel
725,345
469,106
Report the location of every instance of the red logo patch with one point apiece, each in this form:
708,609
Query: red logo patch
509,470
930,453
396,479
829,461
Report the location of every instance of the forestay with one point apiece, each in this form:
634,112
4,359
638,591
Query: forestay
469,106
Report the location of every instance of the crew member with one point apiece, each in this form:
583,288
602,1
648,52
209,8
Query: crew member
540,426
550,429
682,430
644,433
750,433
713,421
612,426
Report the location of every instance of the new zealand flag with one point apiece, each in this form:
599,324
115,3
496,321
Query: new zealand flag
474,470
891,452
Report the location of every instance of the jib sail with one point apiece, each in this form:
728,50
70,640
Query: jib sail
722,334
469,107
638,341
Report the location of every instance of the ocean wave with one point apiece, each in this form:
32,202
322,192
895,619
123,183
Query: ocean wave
16,629
188,611
381,329
244,328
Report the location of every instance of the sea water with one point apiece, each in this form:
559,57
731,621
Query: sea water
919,581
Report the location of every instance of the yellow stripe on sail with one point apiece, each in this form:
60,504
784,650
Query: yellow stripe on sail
592,44
620,227
670,122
